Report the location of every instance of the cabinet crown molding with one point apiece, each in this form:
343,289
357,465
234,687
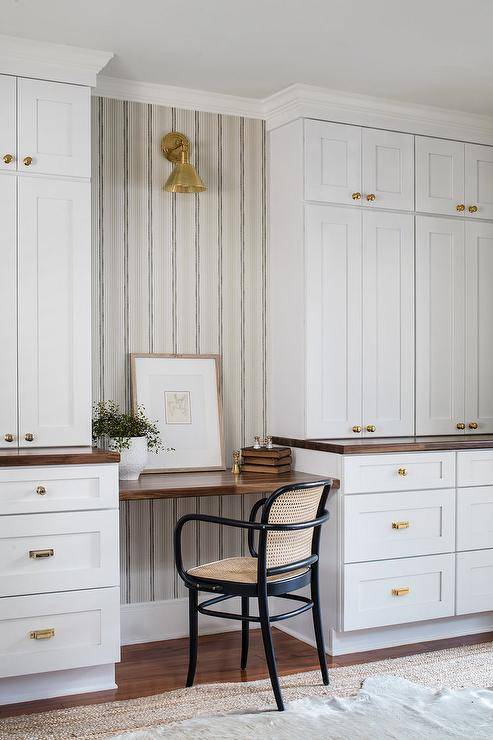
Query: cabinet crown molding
24,57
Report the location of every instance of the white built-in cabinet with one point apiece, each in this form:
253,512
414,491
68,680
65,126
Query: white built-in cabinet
45,393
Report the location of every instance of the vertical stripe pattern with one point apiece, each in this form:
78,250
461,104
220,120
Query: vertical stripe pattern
179,273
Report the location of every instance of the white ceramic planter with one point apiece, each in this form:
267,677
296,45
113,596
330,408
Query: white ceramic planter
133,460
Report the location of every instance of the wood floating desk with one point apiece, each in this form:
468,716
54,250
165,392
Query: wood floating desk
214,483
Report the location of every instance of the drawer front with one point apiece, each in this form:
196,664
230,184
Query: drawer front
398,591
60,488
474,518
397,525
40,553
474,581
399,472
73,630
475,468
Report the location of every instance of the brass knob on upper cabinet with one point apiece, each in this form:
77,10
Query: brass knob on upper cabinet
460,207
370,197
27,161
29,437
356,196
41,490
402,471
357,429
473,209
461,425
473,425
8,158
371,428
9,437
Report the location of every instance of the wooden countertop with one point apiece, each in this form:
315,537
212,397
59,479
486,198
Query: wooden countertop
21,457
214,483
391,444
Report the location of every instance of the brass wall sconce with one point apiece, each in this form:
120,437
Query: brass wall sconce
184,177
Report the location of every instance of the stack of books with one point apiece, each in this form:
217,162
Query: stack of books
264,460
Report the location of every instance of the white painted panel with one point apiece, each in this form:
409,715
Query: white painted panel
333,161
426,519
84,547
440,325
54,312
333,321
388,169
64,488
54,128
439,175
474,581
8,314
388,324
479,180
475,468
479,334
8,133
474,518
86,625
368,597
419,470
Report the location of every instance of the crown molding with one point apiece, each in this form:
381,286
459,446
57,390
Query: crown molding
46,61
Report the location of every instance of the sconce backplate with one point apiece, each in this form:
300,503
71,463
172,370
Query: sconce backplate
172,145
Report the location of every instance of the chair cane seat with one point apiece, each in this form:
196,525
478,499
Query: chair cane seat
238,570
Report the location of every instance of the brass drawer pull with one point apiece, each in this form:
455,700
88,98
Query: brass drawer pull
402,471
40,490
401,591
42,634
37,554
401,525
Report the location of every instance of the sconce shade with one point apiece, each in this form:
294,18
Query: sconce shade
184,177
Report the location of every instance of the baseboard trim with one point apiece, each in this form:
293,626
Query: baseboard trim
14,690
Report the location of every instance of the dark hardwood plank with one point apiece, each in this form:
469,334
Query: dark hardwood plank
391,444
18,457
156,667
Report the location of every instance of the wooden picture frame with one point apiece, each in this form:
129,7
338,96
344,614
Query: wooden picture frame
176,412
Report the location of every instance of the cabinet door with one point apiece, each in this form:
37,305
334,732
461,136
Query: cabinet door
479,180
333,162
479,335
388,324
333,321
54,312
7,123
54,128
440,325
8,314
439,175
388,169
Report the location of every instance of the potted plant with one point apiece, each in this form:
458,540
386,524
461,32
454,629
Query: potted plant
131,434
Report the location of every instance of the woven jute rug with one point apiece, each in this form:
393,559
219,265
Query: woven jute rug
455,668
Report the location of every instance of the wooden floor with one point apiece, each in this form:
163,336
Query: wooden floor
154,667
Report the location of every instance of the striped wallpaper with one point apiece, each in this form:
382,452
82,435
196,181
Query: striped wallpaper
183,274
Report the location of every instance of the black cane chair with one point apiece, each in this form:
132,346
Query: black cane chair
287,559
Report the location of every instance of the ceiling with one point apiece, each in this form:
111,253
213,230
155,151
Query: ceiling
435,52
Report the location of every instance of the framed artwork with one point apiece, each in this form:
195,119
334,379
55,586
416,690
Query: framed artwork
181,394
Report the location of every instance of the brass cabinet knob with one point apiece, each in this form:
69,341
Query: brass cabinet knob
402,471
473,209
8,158
473,425
357,429
371,428
461,425
27,161
370,197
8,437
40,490
29,437
460,207
356,196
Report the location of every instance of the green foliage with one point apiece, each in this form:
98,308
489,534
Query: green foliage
110,421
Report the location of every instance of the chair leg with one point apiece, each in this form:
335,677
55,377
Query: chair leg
317,625
193,617
245,627
269,649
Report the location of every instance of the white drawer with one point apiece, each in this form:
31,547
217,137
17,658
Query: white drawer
474,518
397,525
369,600
75,550
86,627
475,468
66,488
367,473
474,581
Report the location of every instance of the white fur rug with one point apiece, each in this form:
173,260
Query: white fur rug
385,708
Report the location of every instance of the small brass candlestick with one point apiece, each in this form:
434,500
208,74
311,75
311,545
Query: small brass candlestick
236,470
268,442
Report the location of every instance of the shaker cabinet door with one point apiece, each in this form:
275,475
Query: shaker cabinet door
333,162
440,176
8,136
479,181
388,169
8,314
